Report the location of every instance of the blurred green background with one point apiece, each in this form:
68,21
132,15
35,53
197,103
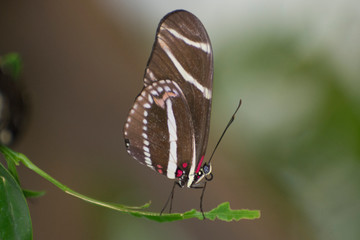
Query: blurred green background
293,151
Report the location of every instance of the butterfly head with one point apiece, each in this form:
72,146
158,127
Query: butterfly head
182,180
204,172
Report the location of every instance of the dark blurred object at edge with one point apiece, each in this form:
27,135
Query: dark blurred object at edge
14,110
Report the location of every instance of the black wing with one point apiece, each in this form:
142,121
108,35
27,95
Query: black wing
182,54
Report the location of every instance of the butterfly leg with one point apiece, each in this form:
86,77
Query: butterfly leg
201,198
170,198
201,201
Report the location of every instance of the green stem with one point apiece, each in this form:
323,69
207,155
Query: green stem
222,211
16,157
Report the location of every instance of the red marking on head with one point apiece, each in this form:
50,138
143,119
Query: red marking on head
184,165
199,165
160,171
179,173
159,166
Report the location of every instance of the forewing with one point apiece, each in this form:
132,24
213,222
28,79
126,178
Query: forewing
182,53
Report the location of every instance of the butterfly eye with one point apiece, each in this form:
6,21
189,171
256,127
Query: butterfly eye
207,168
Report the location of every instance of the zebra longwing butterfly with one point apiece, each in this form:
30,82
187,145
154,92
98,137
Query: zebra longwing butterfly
167,128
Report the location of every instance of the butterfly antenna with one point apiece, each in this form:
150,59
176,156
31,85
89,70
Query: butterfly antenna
226,128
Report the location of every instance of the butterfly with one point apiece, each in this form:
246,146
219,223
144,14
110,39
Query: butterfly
167,128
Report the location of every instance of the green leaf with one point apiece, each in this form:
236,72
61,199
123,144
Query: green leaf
32,194
222,212
10,155
12,169
11,65
12,161
15,222
225,213
146,205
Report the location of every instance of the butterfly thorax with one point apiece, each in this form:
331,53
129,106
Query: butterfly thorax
201,172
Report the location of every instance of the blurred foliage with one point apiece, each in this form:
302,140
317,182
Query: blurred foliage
11,65
15,219
300,122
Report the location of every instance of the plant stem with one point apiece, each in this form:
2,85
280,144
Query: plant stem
16,157
222,211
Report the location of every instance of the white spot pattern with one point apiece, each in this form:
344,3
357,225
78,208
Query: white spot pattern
151,74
